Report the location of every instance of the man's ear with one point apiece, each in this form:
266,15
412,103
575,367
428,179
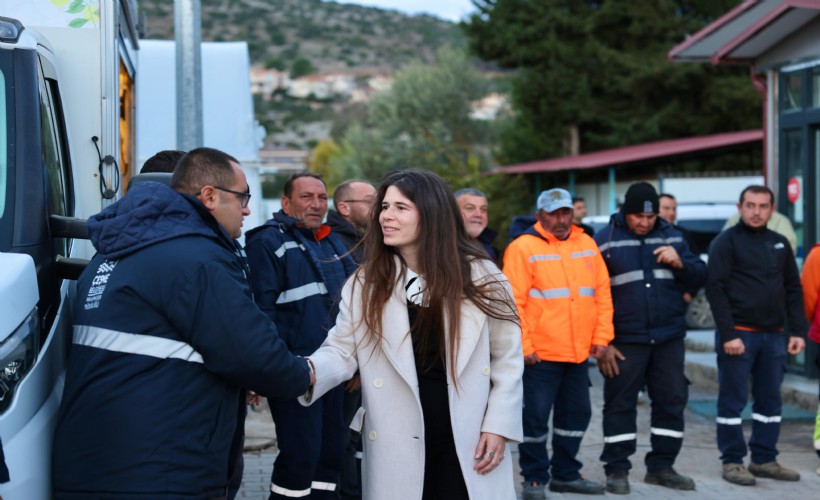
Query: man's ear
208,197
343,209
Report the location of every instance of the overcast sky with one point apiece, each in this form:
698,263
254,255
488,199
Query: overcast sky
452,10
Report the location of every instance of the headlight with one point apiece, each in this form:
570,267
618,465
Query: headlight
17,356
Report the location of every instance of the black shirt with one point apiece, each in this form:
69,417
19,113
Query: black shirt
753,282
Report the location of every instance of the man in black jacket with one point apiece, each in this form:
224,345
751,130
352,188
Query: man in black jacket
753,287
353,200
474,208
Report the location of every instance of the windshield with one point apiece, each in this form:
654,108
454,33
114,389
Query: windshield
5,181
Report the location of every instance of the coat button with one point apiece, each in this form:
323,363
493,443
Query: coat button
649,285
485,370
378,383
372,435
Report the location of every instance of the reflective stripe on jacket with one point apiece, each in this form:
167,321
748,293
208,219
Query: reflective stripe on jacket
647,295
561,289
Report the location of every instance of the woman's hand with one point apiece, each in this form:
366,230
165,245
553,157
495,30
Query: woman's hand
489,453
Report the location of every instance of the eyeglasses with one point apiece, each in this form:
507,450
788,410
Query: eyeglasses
358,201
245,197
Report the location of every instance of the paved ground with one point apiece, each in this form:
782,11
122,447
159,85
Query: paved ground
699,457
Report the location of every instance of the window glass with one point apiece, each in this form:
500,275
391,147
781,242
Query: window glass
4,157
815,87
791,91
6,151
52,159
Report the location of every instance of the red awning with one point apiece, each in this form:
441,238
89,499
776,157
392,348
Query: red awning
641,153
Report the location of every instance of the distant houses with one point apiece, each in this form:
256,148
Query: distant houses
352,86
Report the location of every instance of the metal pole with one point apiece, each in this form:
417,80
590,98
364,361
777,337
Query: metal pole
613,196
187,29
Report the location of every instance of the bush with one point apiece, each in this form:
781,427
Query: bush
301,67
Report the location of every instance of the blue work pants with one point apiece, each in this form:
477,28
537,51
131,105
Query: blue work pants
764,359
311,447
565,387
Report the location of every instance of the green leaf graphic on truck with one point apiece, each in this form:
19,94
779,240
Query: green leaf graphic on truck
88,10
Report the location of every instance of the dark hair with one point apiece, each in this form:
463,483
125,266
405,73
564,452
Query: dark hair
756,189
164,161
576,199
342,191
202,167
666,195
445,262
299,175
468,192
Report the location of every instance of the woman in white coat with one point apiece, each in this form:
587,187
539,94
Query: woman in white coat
430,324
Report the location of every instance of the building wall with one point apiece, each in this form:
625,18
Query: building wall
799,46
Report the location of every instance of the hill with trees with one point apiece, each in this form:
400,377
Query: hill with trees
312,34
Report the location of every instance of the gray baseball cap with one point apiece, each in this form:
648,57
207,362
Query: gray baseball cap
553,199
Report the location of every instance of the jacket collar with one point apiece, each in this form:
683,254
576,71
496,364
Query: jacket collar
397,345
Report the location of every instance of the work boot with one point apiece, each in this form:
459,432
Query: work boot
737,474
774,470
670,479
532,490
580,485
617,482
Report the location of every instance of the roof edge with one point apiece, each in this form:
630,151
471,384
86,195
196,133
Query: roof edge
709,29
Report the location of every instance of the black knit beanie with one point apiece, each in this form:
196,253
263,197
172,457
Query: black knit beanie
641,197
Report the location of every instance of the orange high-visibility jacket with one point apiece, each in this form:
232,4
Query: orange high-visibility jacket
561,289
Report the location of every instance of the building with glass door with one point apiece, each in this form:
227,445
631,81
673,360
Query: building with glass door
780,41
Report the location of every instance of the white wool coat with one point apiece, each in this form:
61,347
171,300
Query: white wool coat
488,397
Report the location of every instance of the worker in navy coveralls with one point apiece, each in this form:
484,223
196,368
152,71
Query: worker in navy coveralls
649,262
298,267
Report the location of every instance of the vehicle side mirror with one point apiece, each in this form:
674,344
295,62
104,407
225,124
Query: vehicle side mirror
70,228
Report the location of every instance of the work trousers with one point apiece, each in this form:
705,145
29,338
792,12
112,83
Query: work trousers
764,359
350,487
311,447
564,387
660,368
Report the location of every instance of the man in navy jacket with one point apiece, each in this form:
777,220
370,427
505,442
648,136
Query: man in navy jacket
298,267
166,339
649,262
754,287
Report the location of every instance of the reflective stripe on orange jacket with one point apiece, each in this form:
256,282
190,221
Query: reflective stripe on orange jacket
561,289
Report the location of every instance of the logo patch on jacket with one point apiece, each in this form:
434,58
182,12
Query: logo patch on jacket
779,246
95,291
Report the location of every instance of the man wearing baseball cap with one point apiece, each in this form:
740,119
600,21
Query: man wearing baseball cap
561,288
649,262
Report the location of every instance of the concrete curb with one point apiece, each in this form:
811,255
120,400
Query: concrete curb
701,370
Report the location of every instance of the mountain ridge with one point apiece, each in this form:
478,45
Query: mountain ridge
331,36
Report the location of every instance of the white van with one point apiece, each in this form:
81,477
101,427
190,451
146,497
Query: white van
66,148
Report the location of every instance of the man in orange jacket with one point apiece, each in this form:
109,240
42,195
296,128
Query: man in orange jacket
561,288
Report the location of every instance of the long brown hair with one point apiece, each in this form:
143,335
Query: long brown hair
445,259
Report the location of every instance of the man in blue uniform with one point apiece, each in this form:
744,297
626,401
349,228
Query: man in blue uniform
166,337
298,268
649,262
